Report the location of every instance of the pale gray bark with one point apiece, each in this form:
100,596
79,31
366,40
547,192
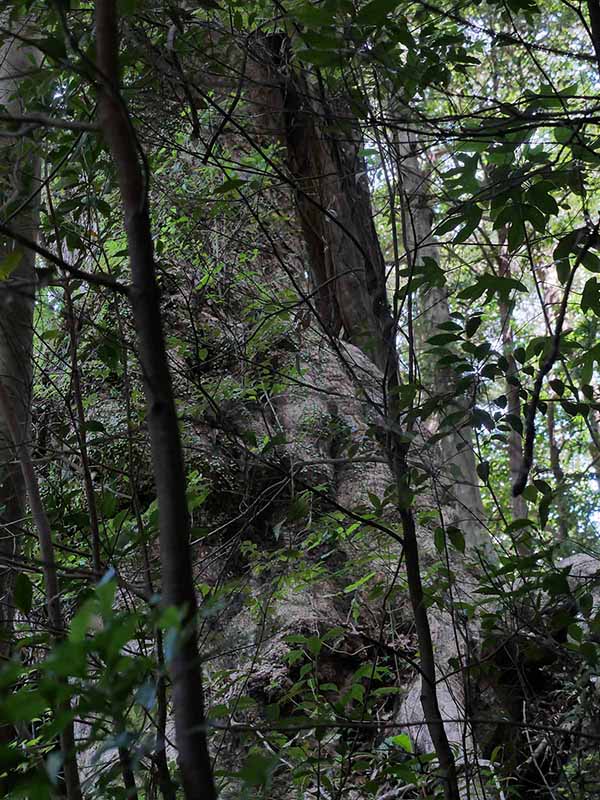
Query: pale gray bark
454,469
457,462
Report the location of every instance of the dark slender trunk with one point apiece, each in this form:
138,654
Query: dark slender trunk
551,300
513,408
513,400
163,775
594,448
429,700
159,757
334,205
167,456
594,13
79,421
127,773
562,532
82,436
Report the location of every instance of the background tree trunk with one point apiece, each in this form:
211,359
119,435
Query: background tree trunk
18,184
551,299
457,463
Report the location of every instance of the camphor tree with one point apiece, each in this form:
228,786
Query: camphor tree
299,439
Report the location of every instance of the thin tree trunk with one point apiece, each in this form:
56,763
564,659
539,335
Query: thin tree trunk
513,400
159,757
88,482
429,700
513,408
127,773
594,14
55,617
562,533
167,456
594,450
79,421
551,300
457,448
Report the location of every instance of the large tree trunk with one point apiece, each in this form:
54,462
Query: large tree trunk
18,181
348,269
332,198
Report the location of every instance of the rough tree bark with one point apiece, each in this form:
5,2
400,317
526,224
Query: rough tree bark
167,456
348,269
332,196
17,291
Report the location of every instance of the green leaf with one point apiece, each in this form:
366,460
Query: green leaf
590,261
402,740
258,769
81,621
9,264
565,135
229,185
439,539
491,285
456,537
520,524
442,338
375,12
360,582
530,493
298,509
321,58
474,217
94,426
473,324
556,583
544,509
563,270
23,706
516,235
23,594
483,470
127,8
54,47
449,225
